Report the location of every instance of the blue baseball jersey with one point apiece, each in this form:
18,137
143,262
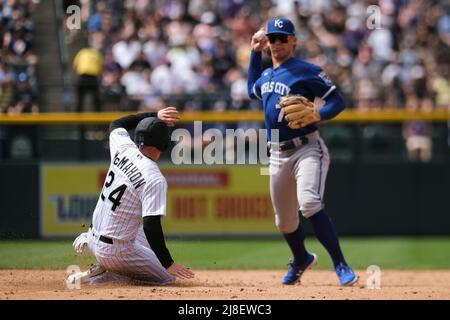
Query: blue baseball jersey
294,76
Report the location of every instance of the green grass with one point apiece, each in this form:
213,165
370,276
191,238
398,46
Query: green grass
388,253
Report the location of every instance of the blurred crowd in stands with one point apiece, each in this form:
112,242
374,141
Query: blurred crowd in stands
18,85
396,54
154,50
194,54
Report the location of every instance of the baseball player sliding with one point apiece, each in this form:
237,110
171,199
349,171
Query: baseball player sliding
126,236
300,156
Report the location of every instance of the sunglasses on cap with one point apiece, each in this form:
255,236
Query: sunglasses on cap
280,36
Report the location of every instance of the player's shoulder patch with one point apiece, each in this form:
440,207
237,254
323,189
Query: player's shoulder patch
121,132
326,78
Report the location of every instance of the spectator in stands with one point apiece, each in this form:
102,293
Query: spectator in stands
417,135
88,65
137,83
366,72
163,79
6,93
95,22
113,90
441,87
126,50
17,63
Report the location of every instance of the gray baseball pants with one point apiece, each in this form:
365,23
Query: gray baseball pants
297,181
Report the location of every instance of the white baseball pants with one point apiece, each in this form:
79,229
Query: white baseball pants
132,259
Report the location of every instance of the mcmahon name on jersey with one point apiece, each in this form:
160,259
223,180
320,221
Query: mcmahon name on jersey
129,169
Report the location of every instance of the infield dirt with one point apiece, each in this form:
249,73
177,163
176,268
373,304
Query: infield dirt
233,284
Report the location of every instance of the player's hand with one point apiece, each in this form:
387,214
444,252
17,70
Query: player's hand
259,41
169,115
180,271
80,243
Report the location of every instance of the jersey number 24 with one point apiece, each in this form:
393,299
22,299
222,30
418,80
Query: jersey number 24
116,194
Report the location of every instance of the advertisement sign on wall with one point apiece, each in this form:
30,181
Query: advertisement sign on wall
200,200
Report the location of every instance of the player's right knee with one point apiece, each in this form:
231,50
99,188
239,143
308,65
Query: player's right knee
287,227
310,207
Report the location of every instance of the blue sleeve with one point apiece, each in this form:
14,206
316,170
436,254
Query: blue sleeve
319,83
334,104
254,72
321,86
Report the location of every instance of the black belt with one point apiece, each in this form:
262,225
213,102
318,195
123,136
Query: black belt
290,144
103,238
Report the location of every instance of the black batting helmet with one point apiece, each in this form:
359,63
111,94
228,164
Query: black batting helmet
152,132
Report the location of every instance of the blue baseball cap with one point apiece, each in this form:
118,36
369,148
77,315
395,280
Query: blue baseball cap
280,25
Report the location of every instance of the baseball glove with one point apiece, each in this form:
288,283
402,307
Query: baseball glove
298,111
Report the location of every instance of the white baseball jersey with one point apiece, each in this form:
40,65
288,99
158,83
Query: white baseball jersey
134,188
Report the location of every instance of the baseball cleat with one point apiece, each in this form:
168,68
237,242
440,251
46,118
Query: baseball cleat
346,275
295,272
85,276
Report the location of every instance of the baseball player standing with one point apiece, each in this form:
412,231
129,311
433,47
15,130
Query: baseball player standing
126,236
301,156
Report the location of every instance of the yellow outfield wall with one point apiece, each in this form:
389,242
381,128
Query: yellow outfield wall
348,115
201,200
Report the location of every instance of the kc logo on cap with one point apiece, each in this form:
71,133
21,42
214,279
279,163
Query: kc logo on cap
280,25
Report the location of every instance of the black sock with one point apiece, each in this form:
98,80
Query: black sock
327,235
296,241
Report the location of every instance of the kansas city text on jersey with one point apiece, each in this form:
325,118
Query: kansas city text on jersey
278,87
